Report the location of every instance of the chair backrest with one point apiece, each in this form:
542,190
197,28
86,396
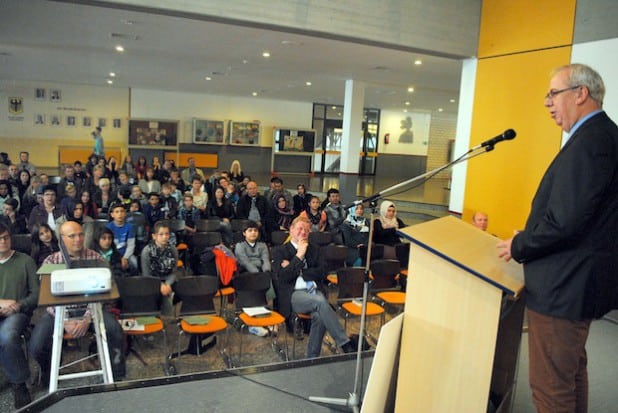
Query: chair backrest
350,282
22,243
201,240
335,256
384,272
278,237
207,225
238,224
320,238
377,252
196,294
175,225
403,254
139,295
250,289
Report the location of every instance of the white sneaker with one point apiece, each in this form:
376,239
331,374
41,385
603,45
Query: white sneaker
258,331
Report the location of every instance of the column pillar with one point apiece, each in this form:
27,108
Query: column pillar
351,139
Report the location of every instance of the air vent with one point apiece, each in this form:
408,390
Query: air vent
381,69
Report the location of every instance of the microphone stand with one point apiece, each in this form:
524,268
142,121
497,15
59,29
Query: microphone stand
354,398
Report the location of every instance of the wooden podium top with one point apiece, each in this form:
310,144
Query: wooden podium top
468,248
47,299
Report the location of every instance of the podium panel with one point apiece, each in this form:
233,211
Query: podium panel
456,285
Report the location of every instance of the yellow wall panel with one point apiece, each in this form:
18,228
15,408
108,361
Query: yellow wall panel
509,26
509,94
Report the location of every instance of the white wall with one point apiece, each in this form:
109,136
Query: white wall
182,106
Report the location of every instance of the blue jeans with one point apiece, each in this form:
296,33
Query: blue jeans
12,357
323,318
41,341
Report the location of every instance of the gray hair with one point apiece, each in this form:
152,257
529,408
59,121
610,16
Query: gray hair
583,75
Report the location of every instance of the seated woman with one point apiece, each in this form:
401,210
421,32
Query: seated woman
75,213
222,207
315,215
385,229
236,173
44,243
301,199
355,231
104,195
104,245
282,214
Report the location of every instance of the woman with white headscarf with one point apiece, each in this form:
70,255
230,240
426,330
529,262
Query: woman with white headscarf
385,229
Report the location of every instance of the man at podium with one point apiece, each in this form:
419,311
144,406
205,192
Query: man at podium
569,247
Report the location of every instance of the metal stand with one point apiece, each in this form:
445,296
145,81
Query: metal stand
354,399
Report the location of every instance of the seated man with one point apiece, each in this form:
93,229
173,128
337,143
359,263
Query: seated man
19,294
299,273
40,346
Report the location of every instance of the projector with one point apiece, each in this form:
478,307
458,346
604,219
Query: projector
81,281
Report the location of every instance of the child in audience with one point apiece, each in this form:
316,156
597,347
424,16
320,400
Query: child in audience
104,245
153,211
124,236
315,215
169,205
15,221
44,243
189,213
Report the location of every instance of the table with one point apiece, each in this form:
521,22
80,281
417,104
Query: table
60,302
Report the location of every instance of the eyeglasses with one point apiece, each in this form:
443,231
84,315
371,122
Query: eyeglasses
552,93
73,236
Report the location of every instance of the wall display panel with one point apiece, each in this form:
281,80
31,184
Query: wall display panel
294,140
245,133
146,132
208,131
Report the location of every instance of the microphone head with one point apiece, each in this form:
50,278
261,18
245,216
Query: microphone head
509,134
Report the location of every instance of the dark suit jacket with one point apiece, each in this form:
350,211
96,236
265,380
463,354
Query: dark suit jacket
285,278
569,246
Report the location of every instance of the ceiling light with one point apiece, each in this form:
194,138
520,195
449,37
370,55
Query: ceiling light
208,78
127,22
418,62
405,111
110,81
265,53
410,89
333,107
254,93
119,48
440,110
407,103
452,100
308,83
112,74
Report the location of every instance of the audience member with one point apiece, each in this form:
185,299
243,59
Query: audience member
79,172
137,195
140,168
222,208
104,196
19,293
278,189
385,229
178,181
148,183
75,213
25,164
69,197
69,178
4,159
12,217
93,161
104,244
200,197
334,211
281,214
128,167
355,231
32,197
112,170
6,193
254,206
90,207
44,243
301,199
480,220
23,182
190,171
124,236
299,273
169,205
315,215
153,211
236,173
79,322
189,213
47,212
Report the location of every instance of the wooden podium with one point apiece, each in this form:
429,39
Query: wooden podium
462,308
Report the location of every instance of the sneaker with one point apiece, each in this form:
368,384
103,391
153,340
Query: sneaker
258,331
21,395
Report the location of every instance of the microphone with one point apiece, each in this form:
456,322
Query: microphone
507,135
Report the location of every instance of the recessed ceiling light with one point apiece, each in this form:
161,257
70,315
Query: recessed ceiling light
112,74
265,53
440,110
452,100
110,81
410,89
245,61
418,62
407,103
119,48
128,22
405,111
308,83
334,107
208,78
254,94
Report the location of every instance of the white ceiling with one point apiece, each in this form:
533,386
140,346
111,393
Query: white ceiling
74,43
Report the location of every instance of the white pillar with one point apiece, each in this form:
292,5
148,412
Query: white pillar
352,126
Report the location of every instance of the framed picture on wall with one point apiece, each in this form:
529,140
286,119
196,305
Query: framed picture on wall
40,93
294,140
102,123
153,132
71,121
87,122
245,133
117,123
55,120
39,119
208,131
55,95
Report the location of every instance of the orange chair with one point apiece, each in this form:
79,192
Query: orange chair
386,275
251,292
